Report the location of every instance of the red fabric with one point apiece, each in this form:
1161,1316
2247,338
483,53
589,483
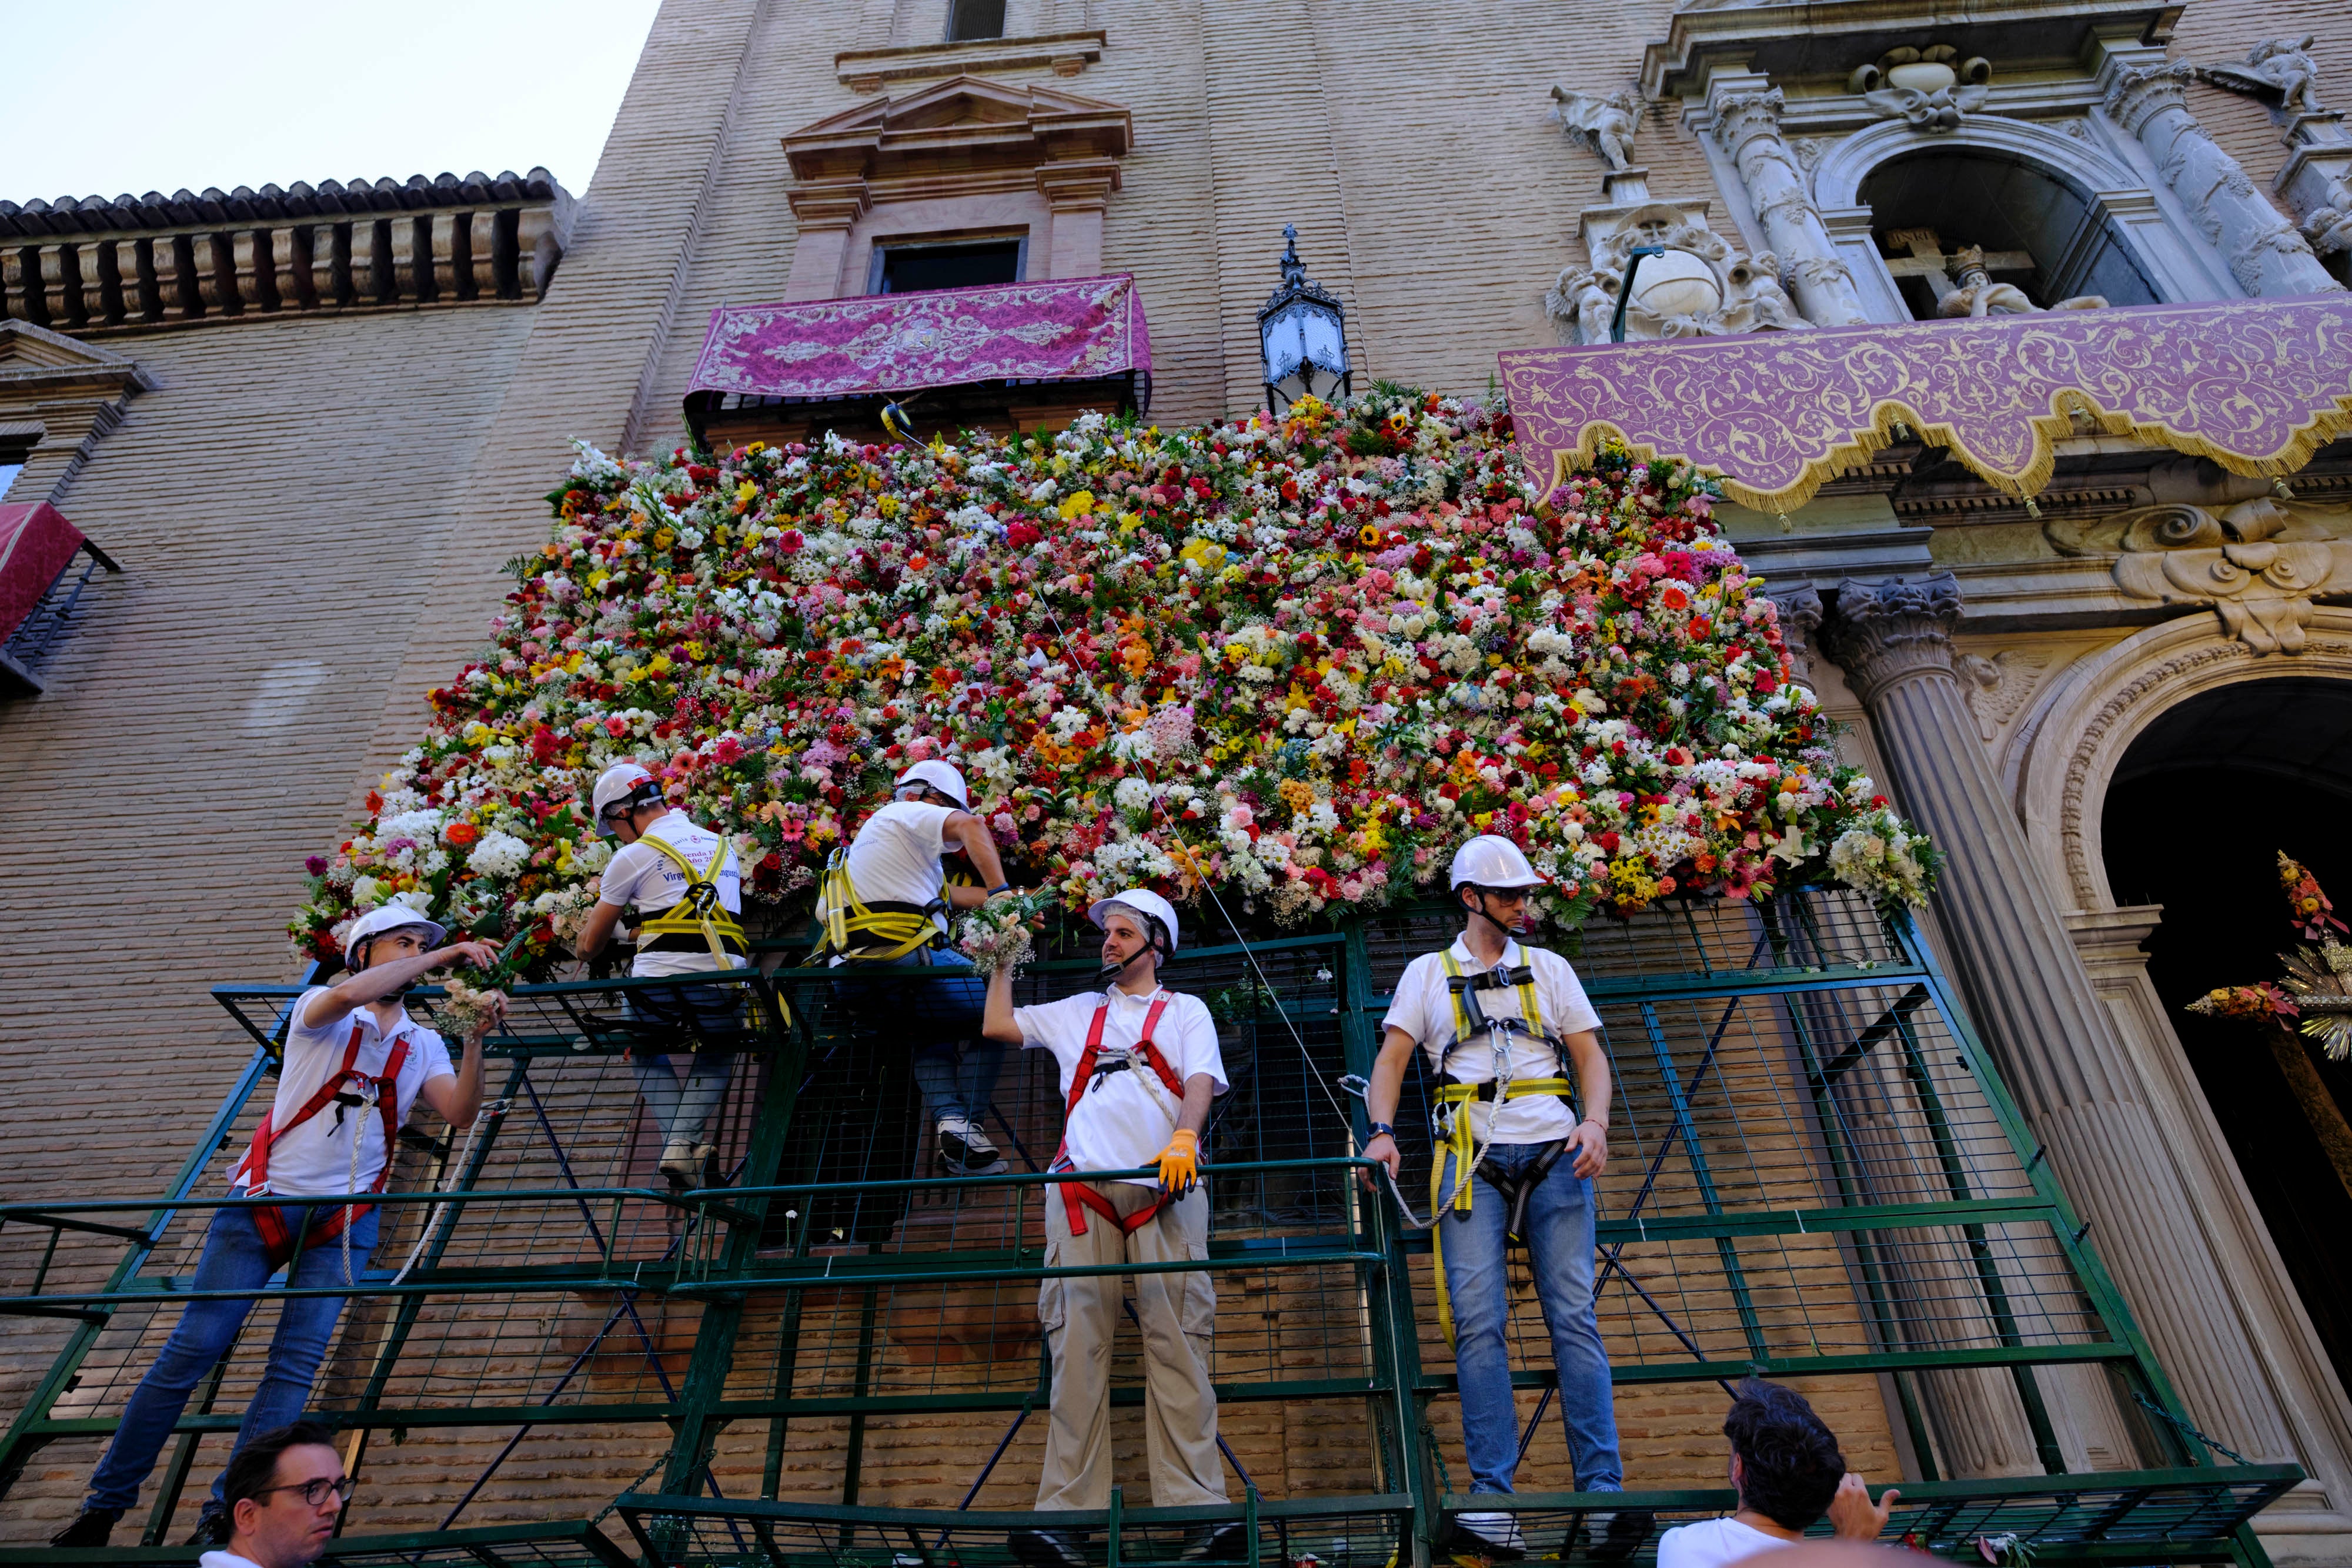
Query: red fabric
36,542
275,1235
1075,329
1076,1196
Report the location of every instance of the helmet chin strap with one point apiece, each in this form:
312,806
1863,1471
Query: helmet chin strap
1111,974
1510,933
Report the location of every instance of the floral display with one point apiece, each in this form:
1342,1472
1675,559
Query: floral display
2307,906
1298,658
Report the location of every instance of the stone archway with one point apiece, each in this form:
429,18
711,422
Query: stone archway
2060,766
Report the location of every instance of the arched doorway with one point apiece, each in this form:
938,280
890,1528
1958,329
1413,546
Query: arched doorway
2036,230
2201,803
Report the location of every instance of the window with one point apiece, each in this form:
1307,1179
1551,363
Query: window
2032,229
959,264
9,468
970,19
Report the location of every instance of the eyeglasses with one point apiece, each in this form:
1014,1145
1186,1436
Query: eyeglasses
315,1492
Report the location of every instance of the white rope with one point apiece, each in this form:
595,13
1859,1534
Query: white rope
451,1175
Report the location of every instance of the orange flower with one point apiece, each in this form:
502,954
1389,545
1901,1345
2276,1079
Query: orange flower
461,833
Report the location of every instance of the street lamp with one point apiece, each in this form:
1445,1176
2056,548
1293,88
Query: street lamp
1633,260
1302,334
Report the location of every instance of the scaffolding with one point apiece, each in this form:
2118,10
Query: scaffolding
1815,1173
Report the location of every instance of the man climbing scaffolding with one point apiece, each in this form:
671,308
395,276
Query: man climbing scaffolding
884,901
1140,1065
1503,1026
355,1063
687,889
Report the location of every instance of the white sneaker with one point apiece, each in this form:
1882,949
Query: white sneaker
965,1150
1495,1533
680,1161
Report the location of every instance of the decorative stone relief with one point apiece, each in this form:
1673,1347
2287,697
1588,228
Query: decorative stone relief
1928,89
1995,688
1701,287
2266,252
1604,122
1974,293
1746,116
2316,179
2257,564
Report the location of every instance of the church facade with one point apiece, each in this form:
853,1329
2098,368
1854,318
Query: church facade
310,425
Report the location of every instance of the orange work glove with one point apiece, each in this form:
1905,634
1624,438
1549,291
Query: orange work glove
1179,1163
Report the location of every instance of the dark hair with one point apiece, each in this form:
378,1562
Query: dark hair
255,1467
1790,1466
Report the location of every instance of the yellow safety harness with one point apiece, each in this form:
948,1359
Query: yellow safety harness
697,911
881,932
1457,1130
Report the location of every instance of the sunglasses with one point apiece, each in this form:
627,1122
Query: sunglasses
316,1493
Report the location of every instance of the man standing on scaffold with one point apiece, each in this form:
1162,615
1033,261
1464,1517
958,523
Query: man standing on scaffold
1503,1026
354,1065
1138,1067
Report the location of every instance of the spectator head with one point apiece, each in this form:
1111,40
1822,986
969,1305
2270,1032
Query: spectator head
1784,1462
284,1490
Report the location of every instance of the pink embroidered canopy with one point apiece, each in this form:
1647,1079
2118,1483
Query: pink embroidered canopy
36,543
1075,329
2256,385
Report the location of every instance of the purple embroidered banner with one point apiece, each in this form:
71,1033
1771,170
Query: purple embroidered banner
2257,385
1072,328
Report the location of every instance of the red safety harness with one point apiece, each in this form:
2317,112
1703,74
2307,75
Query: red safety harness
1076,1196
275,1234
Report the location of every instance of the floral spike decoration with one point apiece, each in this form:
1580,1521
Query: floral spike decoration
1298,658
2318,984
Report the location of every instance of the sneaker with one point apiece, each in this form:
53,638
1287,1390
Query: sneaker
90,1527
1226,1542
965,1150
1048,1548
1613,1536
1494,1535
680,1163
212,1526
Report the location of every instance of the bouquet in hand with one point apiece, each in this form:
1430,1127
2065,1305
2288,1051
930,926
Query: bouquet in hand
471,1008
998,934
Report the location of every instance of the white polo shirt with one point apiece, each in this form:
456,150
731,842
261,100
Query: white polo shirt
1125,1118
642,875
895,855
314,1160
1423,1009
1711,1542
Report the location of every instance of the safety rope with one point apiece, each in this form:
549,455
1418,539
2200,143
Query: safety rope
452,1175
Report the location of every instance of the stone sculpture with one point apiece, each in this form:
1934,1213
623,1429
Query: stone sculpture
2257,564
1603,122
1929,89
1701,287
2279,71
1978,295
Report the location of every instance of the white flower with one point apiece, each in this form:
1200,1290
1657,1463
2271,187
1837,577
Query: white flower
499,854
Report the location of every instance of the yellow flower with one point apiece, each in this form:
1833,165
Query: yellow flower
757,446
1206,554
746,490
1129,521
1236,652
887,505
664,538
1079,505
1369,535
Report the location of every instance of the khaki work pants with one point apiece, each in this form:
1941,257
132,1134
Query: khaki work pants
1081,1319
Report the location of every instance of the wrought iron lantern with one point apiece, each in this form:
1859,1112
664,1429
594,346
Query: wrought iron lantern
1302,335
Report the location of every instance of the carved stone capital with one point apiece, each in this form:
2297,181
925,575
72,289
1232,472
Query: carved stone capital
1744,114
1886,633
2138,95
1801,611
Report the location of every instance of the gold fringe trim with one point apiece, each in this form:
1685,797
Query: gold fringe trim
2047,430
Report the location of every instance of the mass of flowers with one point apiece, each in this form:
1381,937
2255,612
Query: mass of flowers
1300,658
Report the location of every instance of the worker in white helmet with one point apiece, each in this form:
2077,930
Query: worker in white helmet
354,1065
1505,1027
686,885
1140,1065
886,900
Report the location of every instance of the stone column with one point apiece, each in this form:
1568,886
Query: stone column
1747,122
2265,253
1079,190
2034,1003
826,211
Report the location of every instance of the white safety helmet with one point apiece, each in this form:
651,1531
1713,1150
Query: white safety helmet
390,918
941,776
1492,860
624,783
1141,901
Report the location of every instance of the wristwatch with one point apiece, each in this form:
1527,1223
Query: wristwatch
1383,1129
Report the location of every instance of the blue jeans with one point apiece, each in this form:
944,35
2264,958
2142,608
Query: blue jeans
1558,1228
939,1022
681,1111
234,1259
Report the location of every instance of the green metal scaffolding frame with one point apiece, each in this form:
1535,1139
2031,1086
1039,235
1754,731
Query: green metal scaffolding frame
1815,1173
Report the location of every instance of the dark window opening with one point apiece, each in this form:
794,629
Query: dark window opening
910,268
2027,227
969,20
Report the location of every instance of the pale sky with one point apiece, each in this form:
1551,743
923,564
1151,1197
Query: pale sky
110,96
